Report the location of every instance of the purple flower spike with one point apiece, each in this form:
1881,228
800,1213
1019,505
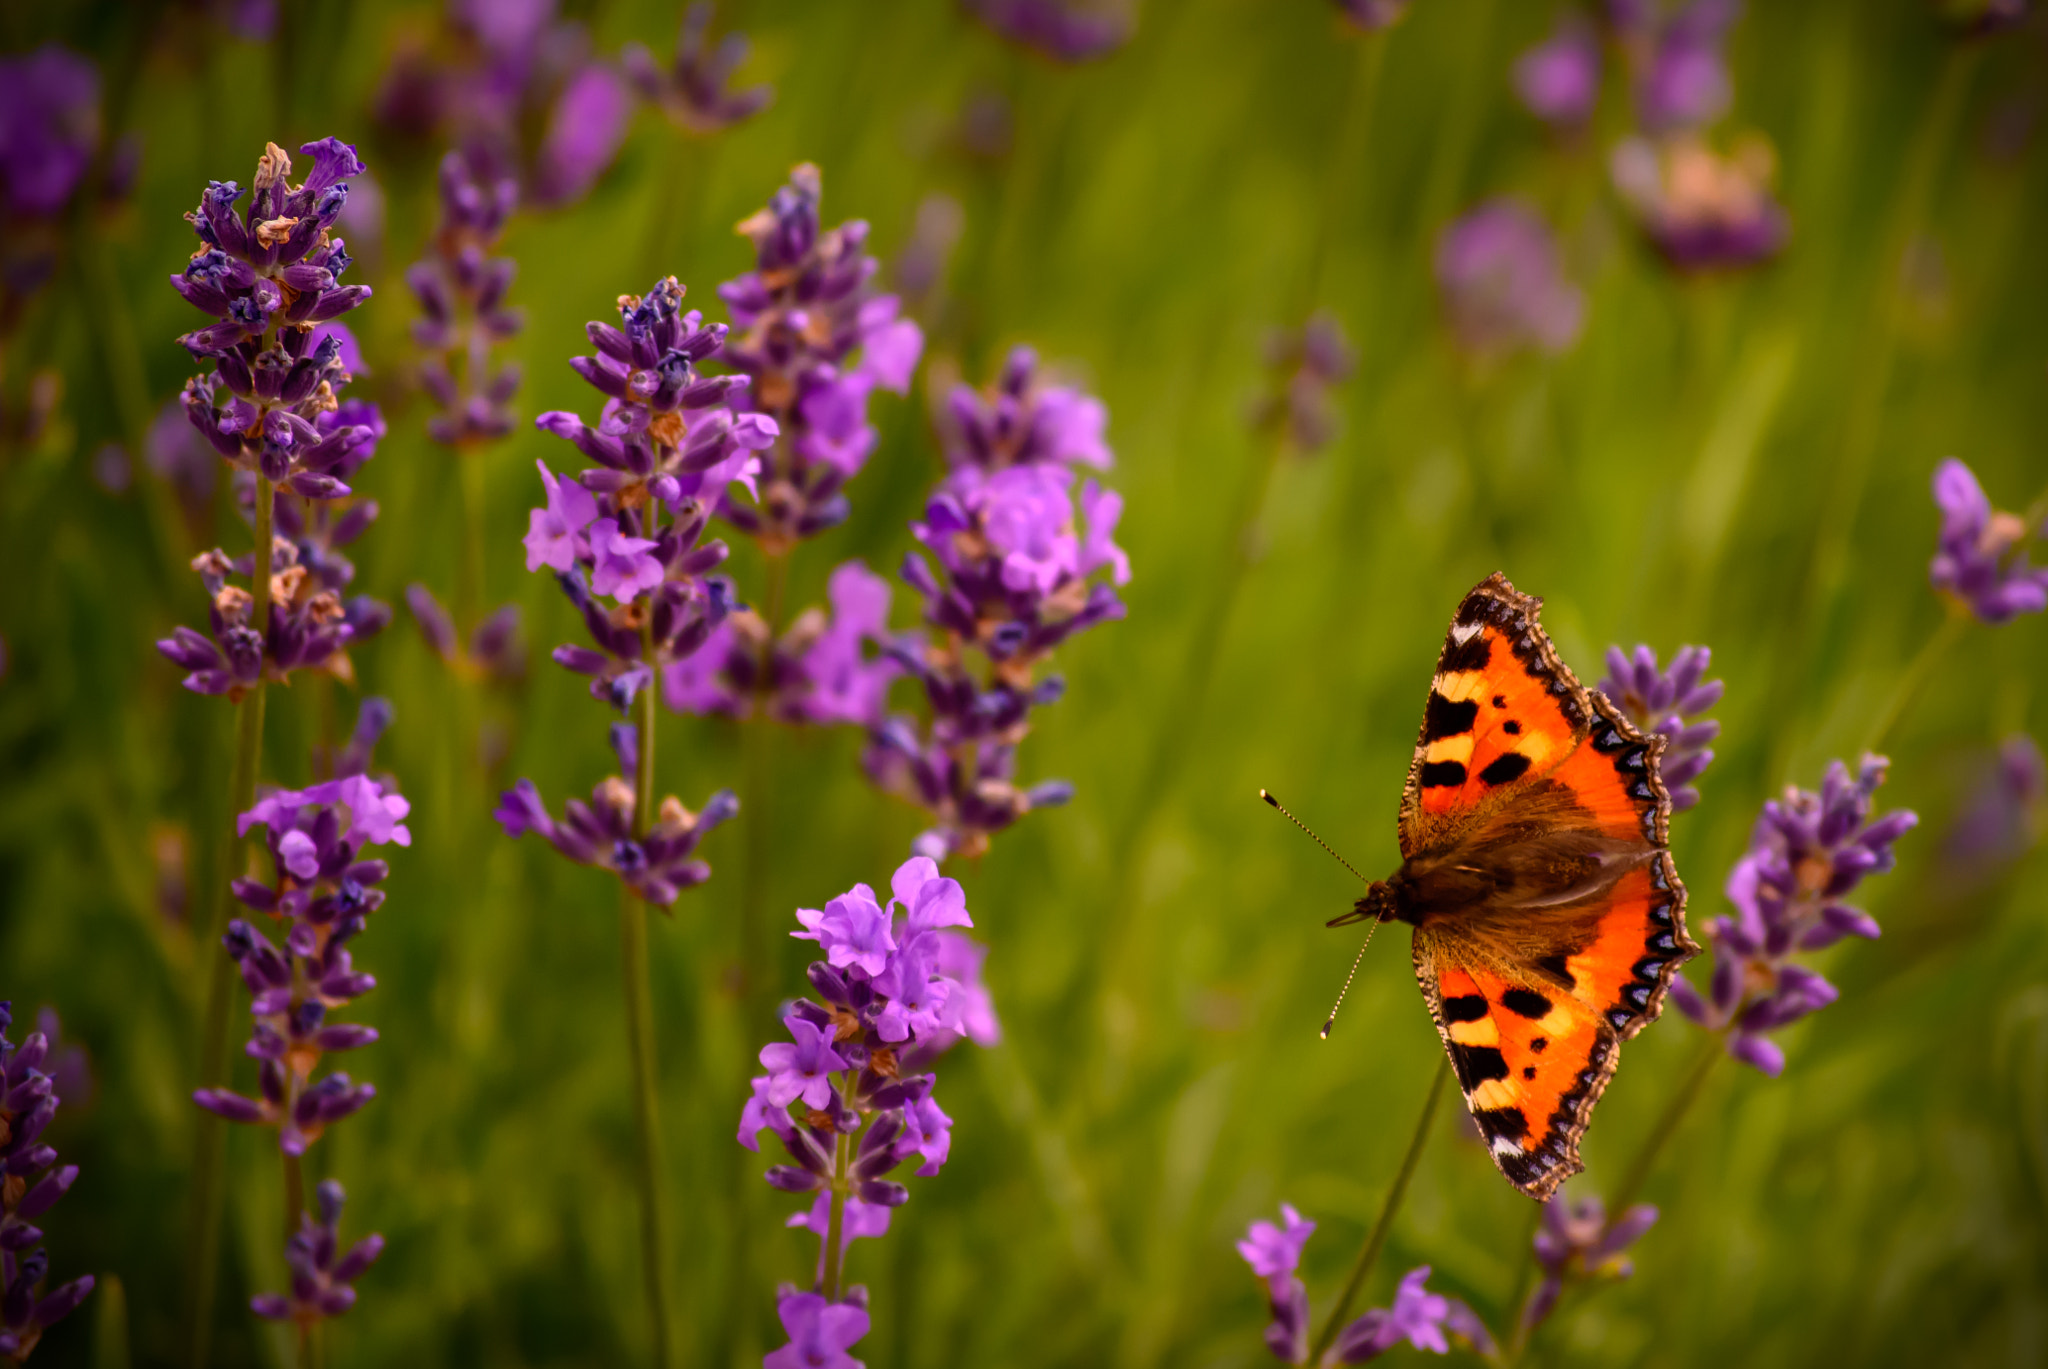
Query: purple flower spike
1577,1243
1502,284
1067,31
49,128
1306,366
1981,562
854,1065
1669,702
694,90
323,1274
820,1332
1023,570
584,131
1558,80
1681,76
816,341
1702,210
2004,817
658,866
31,1182
1808,853
1275,1251
464,319
1373,15
1417,1316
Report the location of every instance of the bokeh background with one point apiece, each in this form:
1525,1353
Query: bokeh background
1738,458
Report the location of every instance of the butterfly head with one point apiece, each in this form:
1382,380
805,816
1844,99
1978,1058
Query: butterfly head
1377,905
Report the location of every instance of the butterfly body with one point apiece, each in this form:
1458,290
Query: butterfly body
1548,916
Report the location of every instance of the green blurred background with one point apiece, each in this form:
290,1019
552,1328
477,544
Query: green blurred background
1688,472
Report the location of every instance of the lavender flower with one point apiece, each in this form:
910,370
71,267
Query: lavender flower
321,894
1700,209
495,650
1681,77
1981,563
853,1063
822,670
184,461
1307,364
797,320
270,276
1020,576
694,90
516,91
1065,30
1808,852
28,1102
49,128
1669,702
1577,1242
1372,15
1417,1316
1558,80
2004,817
656,864
323,1274
309,626
1502,284
464,318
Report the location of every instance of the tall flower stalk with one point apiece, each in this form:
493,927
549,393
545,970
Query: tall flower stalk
849,1094
31,1182
269,275
667,442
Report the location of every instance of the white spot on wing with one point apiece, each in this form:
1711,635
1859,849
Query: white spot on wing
1501,1145
1462,633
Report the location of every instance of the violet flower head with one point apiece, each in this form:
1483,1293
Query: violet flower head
657,865
1502,283
798,320
1700,209
1576,1243
320,896
1809,852
2005,814
270,275
1307,364
49,129
695,88
1681,75
517,91
823,670
464,319
31,1182
1558,80
323,1274
849,1095
310,625
1418,1316
1373,15
495,650
1981,561
820,1332
1068,31
1669,702
1023,566
183,460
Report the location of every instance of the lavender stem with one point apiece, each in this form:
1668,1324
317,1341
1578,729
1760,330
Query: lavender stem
469,584
640,1024
1712,1047
209,1141
294,1193
835,1243
757,777
1388,1207
1915,677
1361,94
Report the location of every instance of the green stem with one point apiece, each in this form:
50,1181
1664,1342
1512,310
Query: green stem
835,1245
661,223
1712,1048
209,1140
640,1026
757,775
469,586
1359,98
1388,1207
1915,678
294,1194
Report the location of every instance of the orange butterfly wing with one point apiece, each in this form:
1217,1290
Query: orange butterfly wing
1532,1000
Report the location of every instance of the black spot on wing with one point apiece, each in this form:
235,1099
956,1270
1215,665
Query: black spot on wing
1468,1007
1500,701
1512,728
1443,718
1506,767
1477,1064
1540,1044
1528,1071
1509,1122
1442,774
1527,1002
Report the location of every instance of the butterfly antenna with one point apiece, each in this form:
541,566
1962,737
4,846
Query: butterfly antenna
1331,1020
1311,835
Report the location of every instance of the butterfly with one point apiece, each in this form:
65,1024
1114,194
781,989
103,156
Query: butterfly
1536,871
